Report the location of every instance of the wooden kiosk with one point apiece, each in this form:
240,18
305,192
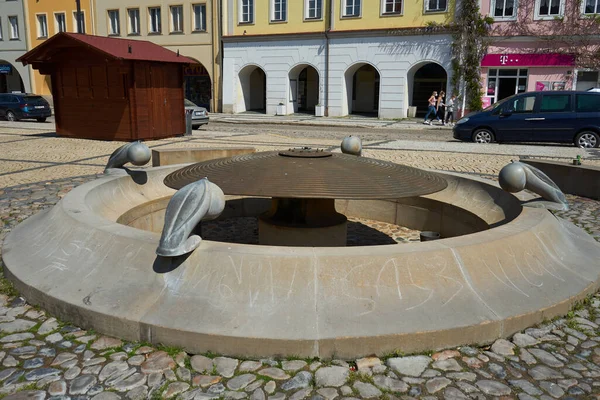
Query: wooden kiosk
112,89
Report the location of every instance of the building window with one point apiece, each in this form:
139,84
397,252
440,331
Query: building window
591,7
60,22
199,17
155,24
504,8
351,8
77,19
113,20
435,5
314,9
278,10
392,7
548,9
176,19
14,27
134,21
246,11
556,103
42,26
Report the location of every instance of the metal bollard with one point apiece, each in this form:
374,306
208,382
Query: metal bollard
188,122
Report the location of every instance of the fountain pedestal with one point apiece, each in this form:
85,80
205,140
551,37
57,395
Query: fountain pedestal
303,223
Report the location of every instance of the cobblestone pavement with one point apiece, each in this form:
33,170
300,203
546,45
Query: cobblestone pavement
42,358
32,153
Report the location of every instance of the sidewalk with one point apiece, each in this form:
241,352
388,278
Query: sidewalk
306,119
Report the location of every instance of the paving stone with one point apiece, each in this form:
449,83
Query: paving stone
33,363
546,357
293,365
181,358
473,362
47,352
240,382
497,370
72,373
18,325
184,374
159,361
139,393
527,357
23,351
526,386
155,379
249,366
170,375
493,388
449,364
302,380
5,374
49,325
524,340
120,356
218,388
301,394
112,369
367,362
57,388
205,380
462,376
270,387
366,390
175,388
411,366
106,342
82,384
37,374
27,395
54,338
130,382
390,384
331,376
454,394
258,394
542,372
136,360
145,350
328,393
201,364
276,373
93,370
431,373
93,361
226,366
436,384
552,388
503,347
253,386
106,396
62,358
17,337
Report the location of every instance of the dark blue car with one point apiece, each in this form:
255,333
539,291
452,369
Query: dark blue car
551,116
16,106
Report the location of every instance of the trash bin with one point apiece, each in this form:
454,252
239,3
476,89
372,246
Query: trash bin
426,236
188,122
411,112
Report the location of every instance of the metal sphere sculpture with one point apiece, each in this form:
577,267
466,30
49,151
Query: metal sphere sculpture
136,153
199,201
352,145
518,176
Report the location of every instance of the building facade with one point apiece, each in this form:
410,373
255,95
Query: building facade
46,18
540,45
376,57
14,77
185,26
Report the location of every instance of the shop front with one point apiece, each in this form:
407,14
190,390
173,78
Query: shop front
507,74
197,85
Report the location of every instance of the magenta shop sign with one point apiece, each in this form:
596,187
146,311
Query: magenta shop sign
527,60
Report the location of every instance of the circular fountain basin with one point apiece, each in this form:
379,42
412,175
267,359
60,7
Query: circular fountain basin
498,268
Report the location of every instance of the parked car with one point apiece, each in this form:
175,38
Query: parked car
16,106
550,116
594,89
199,114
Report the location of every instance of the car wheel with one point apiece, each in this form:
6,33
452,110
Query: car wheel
587,140
10,116
43,119
483,136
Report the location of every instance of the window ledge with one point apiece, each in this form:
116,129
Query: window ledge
154,33
246,23
14,39
275,22
351,16
307,19
391,14
200,31
114,34
133,34
435,11
505,19
547,18
177,33
42,37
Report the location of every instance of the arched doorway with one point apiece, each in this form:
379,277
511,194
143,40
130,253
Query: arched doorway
253,86
10,79
197,85
362,83
304,89
425,79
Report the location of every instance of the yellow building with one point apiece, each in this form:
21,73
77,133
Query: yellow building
339,57
45,18
189,27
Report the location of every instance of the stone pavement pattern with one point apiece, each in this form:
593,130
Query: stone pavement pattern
42,358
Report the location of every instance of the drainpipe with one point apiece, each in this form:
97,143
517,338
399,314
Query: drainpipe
327,30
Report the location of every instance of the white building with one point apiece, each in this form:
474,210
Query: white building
14,77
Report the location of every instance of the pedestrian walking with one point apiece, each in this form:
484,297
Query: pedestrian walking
450,110
440,107
431,110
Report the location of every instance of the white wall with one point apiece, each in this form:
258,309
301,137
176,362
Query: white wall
391,56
